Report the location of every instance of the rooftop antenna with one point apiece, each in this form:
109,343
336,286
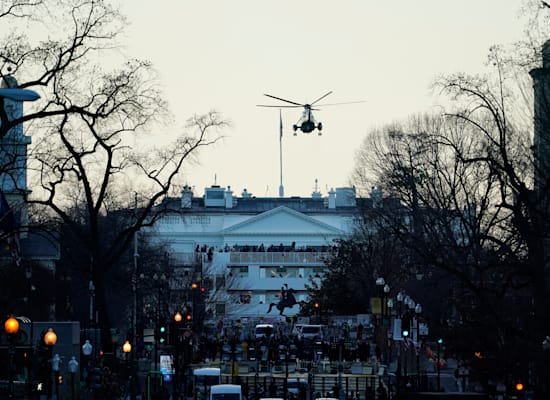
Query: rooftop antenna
281,188
316,193
215,179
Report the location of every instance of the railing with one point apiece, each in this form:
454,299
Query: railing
278,258
185,258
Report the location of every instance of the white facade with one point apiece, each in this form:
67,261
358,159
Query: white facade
246,248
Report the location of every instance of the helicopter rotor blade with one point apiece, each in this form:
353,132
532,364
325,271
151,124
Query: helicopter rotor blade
338,104
320,98
270,105
286,101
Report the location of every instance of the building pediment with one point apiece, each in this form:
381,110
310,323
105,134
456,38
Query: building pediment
282,220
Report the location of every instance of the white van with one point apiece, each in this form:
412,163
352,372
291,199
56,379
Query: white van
226,392
205,378
312,331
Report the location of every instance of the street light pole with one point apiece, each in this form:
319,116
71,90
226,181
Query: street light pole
399,299
50,338
177,322
158,281
417,311
134,289
127,348
439,341
11,326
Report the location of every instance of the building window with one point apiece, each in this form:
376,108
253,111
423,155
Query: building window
281,272
246,298
240,272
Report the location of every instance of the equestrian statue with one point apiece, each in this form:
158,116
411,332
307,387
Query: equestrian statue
287,300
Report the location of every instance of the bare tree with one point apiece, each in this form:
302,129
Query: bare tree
85,126
455,225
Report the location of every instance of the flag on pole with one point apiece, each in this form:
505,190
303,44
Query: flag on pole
280,124
8,228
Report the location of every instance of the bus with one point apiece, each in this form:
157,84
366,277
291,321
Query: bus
205,378
226,392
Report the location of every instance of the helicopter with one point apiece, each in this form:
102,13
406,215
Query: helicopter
307,122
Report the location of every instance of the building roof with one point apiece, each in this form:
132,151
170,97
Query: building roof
255,205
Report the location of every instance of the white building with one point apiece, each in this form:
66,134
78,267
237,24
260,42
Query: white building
244,249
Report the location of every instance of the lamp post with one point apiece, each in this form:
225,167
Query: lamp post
73,368
159,282
390,344
386,291
127,349
439,343
87,349
399,298
418,311
379,329
11,326
91,311
177,322
409,310
50,338
380,282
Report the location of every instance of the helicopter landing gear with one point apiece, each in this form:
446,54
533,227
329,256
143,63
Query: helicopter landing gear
295,127
319,128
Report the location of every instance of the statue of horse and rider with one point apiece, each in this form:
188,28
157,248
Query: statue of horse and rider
287,300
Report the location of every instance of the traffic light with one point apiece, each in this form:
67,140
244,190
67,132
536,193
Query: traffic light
188,314
163,334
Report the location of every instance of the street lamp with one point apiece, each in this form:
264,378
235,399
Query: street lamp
159,282
11,326
384,303
177,321
87,352
50,338
126,348
87,348
439,343
380,330
73,368
418,311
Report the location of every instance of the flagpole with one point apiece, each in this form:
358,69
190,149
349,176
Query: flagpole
281,188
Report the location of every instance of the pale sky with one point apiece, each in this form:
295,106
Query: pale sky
225,54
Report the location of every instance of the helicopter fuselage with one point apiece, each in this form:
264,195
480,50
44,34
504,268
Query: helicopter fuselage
307,122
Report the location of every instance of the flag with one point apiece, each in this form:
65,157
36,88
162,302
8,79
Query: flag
280,124
8,227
